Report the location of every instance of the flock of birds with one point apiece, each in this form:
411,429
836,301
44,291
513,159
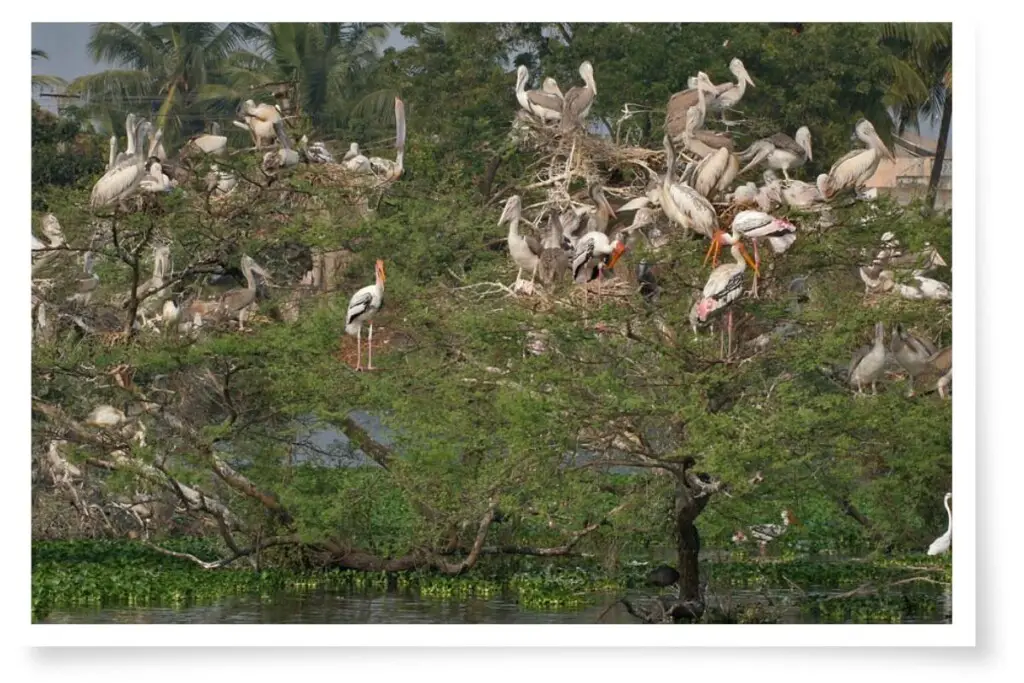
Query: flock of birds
577,245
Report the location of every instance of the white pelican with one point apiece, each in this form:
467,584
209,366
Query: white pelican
941,544
697,95
124,178
544,104
714,173
550,86
355,161
525,250
725,284
363,305
780,151
756,224
386,169
129,131
855,168
210,143
868,362
285,156
260,121
911,352
554,262
579,99
729,94
683,204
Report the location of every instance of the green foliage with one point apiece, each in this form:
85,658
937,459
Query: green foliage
62,155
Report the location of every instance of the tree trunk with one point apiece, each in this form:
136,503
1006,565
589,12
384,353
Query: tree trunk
688,552
940,152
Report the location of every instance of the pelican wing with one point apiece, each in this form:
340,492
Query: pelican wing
784,142
116,183
715,140
918,346
534,245
584,252
843,159
546,100
577,102
696,210
858,356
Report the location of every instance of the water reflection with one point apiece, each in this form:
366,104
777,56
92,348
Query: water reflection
403,608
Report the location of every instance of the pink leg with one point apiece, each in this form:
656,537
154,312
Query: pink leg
359,349
729,352
369,345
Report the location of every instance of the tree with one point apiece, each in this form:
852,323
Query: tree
159,65
922,83
42,80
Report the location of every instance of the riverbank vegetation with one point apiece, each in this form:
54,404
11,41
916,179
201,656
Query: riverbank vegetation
503,432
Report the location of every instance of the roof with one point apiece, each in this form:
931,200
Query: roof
921,146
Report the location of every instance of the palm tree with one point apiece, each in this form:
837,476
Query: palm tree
41,80
323,66
167,63
922,83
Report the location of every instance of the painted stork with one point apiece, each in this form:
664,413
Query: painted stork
525,249
941,544
754,225
362,307
766,533
546,103
725,284
911,352
868,362
579,99
780,151
316,153
855,168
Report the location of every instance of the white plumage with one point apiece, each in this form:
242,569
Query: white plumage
123,179
942,543
854,169
363,305
682,204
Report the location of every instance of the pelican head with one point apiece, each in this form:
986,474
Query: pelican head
704,83
822,183
551,86
522,75
513,208
587,73
379,272
740,71
866,132
51,228
643,216
597,194
249,265
803,138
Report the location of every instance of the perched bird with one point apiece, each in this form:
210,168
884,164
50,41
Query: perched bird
525,249
285,156
910,351
316,153
941,544
579,99
546,103
363,305
725,285
554,261
355,161
766,533
754,225
854,169
780,151
868,362
386,169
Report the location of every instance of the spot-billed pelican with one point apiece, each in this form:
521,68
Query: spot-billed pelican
554,261
285,156
911,352
868,362
729,94
544,104
579,99
209,143
855,168
386,169
259,120
123,179
780,151
355,161
683,204
525,249
698,95
363,305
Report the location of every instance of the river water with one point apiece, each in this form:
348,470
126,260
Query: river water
407,608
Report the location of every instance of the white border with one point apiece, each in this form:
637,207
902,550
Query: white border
961,632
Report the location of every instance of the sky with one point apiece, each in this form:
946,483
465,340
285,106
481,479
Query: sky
65,43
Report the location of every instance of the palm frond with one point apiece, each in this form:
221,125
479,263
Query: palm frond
114,85
44,81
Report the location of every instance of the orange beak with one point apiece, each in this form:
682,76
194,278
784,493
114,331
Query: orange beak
750,261
617,252
712,253
380,270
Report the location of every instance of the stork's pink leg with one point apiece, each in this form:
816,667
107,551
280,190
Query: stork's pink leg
729,353
359,349
369,345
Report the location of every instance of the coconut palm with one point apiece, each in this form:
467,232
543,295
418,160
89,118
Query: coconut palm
158,63
322,67
44,81
922,82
